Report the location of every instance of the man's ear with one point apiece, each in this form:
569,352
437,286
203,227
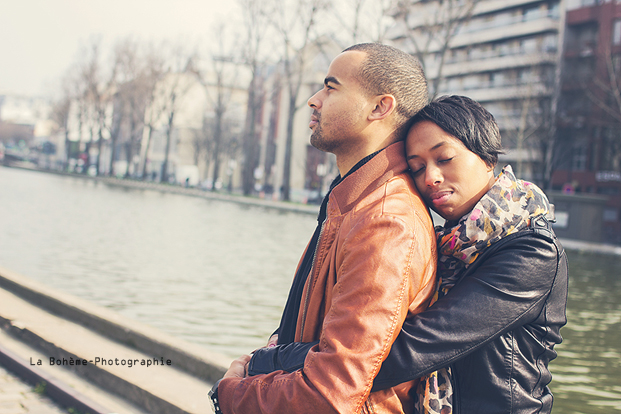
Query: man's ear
384,106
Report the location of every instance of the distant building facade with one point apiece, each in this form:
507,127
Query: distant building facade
505,55
589,131
545,70
25,128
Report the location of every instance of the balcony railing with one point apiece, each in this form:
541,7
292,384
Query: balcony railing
491,54
477,26
501,84
500,93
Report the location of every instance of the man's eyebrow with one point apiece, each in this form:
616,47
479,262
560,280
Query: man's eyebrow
331,79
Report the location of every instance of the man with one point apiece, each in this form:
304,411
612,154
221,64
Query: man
371,262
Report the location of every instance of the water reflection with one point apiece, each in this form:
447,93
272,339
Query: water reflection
587,376
218,274
210,272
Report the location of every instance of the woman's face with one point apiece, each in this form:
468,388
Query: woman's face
450,177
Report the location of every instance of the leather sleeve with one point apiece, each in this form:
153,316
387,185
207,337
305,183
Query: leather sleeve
383,272
289,358
508,289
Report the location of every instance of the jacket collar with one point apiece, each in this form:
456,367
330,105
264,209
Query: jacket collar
387,164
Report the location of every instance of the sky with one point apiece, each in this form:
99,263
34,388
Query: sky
40,39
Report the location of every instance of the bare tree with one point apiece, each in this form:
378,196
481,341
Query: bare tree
219,82
202,143
61,113
133,92
115,128
255,21
81,115
295,23
170,88
605,90
98,94
527,118
429,26
154,106
361,20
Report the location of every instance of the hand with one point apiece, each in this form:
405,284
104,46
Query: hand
238,367
273,341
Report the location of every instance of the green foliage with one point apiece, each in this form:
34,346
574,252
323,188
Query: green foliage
40,388
74,411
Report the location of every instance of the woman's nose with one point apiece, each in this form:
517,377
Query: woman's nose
433,176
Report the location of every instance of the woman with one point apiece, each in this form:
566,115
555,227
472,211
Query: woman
485,344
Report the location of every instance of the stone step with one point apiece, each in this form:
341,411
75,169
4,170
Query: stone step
38,380
147,368
20,397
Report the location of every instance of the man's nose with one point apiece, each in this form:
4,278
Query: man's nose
314,101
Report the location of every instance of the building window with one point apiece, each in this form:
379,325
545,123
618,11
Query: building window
553,11
610,215
616,32
579,157
550,43
611,191
611,150
531,13
529,45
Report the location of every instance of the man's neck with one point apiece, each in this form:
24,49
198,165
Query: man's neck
348,160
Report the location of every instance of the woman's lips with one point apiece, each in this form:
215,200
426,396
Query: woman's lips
440,197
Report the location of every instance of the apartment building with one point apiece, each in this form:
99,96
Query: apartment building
589,118
502,53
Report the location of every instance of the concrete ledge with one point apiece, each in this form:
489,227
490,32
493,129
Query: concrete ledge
595,248
239,199
193,359
55,389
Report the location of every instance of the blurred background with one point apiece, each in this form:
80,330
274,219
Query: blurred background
212,95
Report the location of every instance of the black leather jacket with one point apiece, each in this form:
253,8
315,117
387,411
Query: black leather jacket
496,329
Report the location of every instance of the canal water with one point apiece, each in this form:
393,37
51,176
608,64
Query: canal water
218,273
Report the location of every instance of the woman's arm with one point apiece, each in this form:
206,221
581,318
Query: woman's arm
505,288
289,358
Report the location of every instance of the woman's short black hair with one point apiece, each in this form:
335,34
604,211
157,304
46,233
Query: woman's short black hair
466,120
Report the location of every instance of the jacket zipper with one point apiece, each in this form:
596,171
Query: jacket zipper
311,275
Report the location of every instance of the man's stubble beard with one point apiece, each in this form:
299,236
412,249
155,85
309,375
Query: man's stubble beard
321,142
317,138
318,141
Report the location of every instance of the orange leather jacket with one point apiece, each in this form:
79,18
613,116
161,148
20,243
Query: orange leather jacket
374,265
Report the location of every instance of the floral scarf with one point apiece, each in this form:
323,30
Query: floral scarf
506,208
